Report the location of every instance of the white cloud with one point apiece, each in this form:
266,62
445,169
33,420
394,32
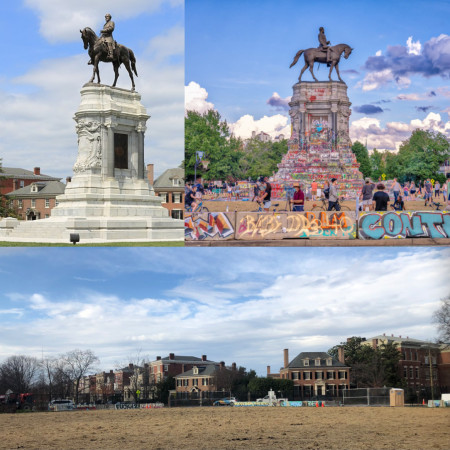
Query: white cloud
272,125
394,133
378,53
168,44
60,20
409,97
195,98
374,80
413,47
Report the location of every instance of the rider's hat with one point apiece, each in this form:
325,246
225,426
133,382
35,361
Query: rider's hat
107,15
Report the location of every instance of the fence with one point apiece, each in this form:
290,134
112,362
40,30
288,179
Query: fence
365,397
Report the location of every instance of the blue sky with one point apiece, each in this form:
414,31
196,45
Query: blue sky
239,54
45,68
238,305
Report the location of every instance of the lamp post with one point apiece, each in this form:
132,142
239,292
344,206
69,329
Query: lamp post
198,158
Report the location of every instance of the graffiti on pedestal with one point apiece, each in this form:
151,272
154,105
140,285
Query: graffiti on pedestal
414,224
214,225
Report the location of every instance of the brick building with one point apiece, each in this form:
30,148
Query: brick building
36,200
315,374
201,378
414,365
173,365
14,178
170,186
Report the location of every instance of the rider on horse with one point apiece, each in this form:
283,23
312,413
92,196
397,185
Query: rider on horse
107,37
324,44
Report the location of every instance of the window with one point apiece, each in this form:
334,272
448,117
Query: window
56,202
177,213
22,183
34,188
205,381
319,375
164,196
186,382
417,372
294,375
176,182
195,370
47,203
195,382
20,204
306,375
166,368
411,374
120,151
317,361
416,358
330,375
176,197
306,362
342,375
329,362
426,360
33,203
405,372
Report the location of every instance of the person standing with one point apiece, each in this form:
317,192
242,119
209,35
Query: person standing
333,202
381,198
266,196
412,190
366,195
395,188
313,190
298,201
428,191
437,189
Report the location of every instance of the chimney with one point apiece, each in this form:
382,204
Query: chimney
171,355
68,180
131,365
286,357
233,366
268,370
111,371
392,335
400,336
158,358
341,356
374,343
37,170
384,334
222,365
150,173
203,357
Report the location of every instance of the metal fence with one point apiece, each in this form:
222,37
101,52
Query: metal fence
366,397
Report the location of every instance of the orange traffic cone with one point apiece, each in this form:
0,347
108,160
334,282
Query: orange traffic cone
423,401
323,404
317,404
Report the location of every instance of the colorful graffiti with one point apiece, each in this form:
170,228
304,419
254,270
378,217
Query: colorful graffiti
340,225
391,225
215,225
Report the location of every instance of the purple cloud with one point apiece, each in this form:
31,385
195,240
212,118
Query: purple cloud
368,109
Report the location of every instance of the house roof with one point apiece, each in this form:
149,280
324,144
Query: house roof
203,370
299,360
49,188
185,359
402,341
165,179
14,172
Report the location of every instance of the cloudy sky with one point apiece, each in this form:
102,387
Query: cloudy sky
45,65
238,56
242,305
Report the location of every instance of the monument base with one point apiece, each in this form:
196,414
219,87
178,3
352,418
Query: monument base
109,198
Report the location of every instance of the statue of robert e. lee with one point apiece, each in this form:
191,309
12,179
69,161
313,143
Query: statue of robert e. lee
107,37
324,44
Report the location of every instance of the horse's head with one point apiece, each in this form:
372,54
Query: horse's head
88,35
347,51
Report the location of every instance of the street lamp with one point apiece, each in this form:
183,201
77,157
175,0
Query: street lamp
198,158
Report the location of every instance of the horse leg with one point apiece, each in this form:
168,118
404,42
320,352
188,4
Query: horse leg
331,69
126,63
301,73
311,64
116,72
337,71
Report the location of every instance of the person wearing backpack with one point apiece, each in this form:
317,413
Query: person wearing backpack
333,202
366,195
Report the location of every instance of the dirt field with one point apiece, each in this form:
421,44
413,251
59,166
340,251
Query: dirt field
229,428
220,206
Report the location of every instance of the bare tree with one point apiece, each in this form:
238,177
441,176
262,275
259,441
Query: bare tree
79,362
19,373
442,318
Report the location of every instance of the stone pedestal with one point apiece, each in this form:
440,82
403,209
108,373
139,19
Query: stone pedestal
109,198
319,147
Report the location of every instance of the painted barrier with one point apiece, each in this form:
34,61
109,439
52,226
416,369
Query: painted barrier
405,224
210,226
138,406
296,404
291,225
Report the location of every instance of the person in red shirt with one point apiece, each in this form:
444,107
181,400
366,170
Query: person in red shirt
313,190
298,201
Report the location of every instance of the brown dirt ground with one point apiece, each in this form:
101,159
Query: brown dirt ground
220,206
230,428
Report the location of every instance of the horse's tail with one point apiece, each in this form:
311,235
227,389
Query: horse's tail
299,53
133,61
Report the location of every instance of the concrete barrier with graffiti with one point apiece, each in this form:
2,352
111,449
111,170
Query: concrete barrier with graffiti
405,224
210,226
291,225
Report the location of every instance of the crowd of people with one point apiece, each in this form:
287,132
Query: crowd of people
373,196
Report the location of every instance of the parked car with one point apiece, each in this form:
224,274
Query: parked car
61,405
225,402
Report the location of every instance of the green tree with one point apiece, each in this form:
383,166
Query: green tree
207,133
377,164
362,156
162,389
262,384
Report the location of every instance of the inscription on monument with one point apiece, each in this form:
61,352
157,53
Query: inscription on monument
120,151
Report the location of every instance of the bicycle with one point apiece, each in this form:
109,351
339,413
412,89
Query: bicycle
437,204
261,207
324,206
199,209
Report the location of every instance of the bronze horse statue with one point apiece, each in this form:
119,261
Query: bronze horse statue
98,51
313,55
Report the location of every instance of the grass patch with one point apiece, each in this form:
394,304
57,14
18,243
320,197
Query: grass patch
111,244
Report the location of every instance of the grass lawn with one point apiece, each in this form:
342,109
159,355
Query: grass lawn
112,244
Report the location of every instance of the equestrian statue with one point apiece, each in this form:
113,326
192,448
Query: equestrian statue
325,53
106,49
